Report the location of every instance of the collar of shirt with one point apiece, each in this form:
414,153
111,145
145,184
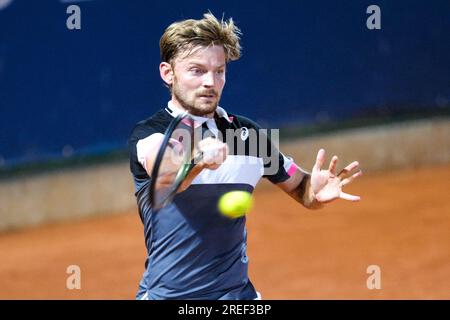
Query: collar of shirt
198,121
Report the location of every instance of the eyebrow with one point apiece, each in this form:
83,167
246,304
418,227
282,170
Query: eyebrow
194,63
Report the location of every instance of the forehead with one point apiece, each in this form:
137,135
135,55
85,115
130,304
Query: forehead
208,56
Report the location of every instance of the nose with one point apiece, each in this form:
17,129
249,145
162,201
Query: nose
208,79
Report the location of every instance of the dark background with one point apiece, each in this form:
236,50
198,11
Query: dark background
71,92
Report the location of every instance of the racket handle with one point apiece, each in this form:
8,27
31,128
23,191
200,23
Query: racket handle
197,158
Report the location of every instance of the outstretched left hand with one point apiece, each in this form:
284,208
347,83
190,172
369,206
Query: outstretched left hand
326,185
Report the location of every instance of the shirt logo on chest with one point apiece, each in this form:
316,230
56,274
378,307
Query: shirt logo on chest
244,133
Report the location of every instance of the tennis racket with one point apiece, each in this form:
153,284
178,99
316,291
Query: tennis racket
174,161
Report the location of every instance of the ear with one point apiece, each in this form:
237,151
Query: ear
166,72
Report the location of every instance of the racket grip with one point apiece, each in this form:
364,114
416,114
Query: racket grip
197,158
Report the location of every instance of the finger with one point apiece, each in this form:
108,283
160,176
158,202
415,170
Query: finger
319,160
349,197
210,155
353,177
332,167
225,149
344,172
206,142
222,154
225,152
209,144
215,153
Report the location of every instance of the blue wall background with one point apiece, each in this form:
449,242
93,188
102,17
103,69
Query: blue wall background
304,62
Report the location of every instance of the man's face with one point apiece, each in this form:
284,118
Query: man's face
199,79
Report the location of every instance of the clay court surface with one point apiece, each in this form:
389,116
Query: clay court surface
402,225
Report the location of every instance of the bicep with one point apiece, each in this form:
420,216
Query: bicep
147,149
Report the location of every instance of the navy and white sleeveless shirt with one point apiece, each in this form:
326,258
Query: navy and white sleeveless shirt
194,252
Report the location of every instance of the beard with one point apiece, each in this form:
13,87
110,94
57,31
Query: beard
194,105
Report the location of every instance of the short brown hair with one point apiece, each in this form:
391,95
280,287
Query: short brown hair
184,36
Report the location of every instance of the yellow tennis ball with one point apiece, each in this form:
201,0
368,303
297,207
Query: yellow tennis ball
235,204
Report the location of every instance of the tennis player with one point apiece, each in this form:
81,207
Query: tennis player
194,252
